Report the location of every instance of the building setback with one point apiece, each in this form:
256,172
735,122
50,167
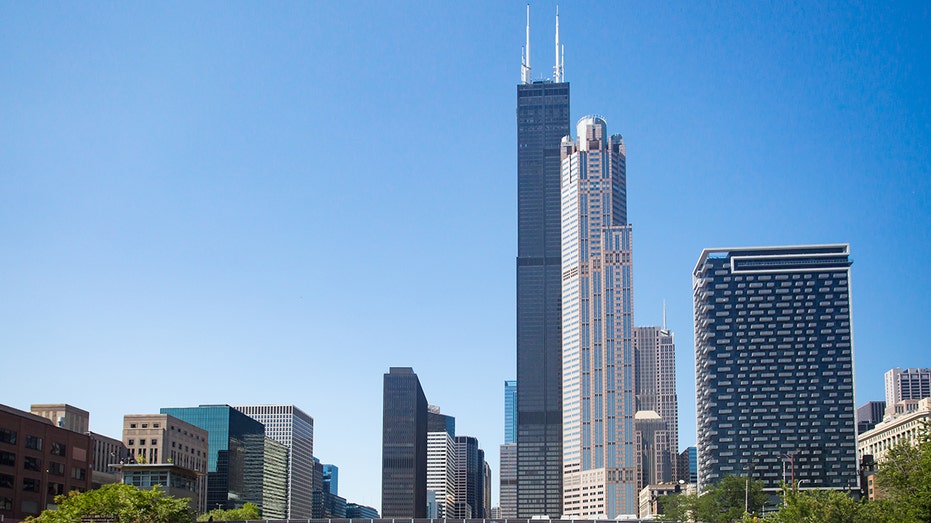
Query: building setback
774,365
404,446
598,363
542,120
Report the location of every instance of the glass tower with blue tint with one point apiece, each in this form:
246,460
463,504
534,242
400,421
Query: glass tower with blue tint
598,364
510,411
230,436
774,366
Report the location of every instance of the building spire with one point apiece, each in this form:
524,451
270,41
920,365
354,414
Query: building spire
525,55
560,53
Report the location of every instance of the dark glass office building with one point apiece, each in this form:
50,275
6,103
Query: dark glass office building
232,436
542,121
774,366
404,446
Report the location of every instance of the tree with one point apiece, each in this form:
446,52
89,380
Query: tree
119,503
722,502
248,512
821,506
676,507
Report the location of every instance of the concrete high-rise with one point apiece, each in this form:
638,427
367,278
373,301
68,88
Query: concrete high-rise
904,385
542,120
404,446
441,461
598,362
774,365
470,479
507,475
657,419
294,429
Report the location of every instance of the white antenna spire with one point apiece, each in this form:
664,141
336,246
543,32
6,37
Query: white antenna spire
525,59
560,54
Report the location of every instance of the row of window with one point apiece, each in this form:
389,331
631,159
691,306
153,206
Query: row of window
32,442
141,442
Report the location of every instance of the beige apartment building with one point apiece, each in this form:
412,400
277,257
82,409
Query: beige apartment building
161,439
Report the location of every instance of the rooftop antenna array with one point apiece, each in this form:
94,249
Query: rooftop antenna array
558,72
525,55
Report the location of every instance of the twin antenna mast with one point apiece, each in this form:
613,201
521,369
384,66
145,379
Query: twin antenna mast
558,69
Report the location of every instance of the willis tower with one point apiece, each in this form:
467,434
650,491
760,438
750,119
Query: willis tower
542,121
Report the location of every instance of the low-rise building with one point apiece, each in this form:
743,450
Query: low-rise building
162,439
39,461
905,427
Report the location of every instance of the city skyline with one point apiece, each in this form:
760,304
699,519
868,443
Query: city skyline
289,201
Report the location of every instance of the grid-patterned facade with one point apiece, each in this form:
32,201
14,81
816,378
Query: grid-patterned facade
597,335
906,384
441,471
294,429
507,489
404,446
655,392
774,365
542,120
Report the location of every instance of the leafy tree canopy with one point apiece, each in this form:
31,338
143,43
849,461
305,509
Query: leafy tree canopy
722,502
119,503
248,512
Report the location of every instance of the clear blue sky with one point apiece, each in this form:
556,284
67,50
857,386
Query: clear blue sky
241,202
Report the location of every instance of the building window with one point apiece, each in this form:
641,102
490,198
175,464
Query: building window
6,503
55,489
145,425
7,458
30,485
142,442
58,449
32,463
155,425
6,481
154,442
78,473
8,436
33,442
132,425
131,442
56,469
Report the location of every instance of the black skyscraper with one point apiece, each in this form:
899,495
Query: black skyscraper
542,121
404,446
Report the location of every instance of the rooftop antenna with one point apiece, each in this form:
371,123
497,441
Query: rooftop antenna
560,54
664,314
525,58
